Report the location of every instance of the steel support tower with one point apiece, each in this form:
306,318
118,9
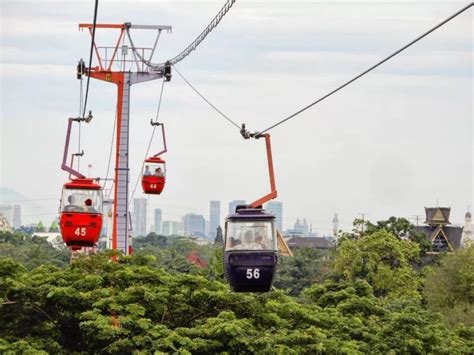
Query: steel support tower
124,69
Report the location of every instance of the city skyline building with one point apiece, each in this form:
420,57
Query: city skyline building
233,204
139,216
16,216
194,224
214,217
276,208
170,228
158,220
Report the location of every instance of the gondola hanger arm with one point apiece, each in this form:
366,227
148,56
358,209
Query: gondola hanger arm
273,191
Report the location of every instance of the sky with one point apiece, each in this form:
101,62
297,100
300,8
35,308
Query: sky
399,139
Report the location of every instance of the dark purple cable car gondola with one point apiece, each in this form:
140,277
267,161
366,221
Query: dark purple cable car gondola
251,252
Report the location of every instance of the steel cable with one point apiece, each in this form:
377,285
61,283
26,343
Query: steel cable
149,144
206,100
370,69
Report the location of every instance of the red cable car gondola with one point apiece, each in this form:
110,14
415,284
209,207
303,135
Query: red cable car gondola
81,213
80,218
154,176
154,171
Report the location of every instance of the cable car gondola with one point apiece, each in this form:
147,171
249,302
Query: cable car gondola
154,171
251,253
81,213
80,217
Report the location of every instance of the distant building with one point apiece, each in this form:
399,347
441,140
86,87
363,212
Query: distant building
309,242
16,216
300,228
53,238
139,216
170,228
467,237
214,217
194,224
158,220
196,260
4,225
276,208
7,212
233,204
437,229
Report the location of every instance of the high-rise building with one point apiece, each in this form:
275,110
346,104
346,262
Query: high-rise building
16,216
233,204
276,208
214,217
170,228
158,218
194,224
139,216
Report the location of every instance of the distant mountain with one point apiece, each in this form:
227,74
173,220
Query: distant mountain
32,210
10,195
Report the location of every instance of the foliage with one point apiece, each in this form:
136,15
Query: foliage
219,240
40,227
306,267
363,298
399,227
95,306
384,261
449,288
31,251
53,227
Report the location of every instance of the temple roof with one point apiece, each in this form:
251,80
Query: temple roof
452,233
437,215
310,242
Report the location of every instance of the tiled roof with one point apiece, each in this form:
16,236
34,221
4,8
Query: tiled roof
310,242
437,215
453,234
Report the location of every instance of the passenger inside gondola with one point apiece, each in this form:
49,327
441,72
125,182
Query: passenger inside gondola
82,201
247,242
71,206
147,171
88,206
159,172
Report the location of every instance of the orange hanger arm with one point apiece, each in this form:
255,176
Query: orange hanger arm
273,192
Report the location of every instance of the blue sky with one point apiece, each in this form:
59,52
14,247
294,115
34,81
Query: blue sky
390,144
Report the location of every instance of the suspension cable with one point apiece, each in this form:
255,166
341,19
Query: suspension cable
206,100
199,39
90,57
149,143
370,69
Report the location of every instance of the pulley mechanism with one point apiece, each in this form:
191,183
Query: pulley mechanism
81,69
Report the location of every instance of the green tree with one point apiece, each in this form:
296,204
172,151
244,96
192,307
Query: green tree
449,287
219,240
53,227
383,260
40,227
129,306
306,267
31,252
